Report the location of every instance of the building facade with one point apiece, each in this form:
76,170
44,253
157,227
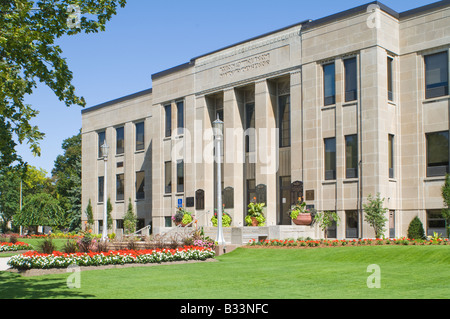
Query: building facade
331,110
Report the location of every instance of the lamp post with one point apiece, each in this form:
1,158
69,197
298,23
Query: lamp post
104,149
218,138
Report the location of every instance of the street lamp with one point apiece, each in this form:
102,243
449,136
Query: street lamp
104,149
218,138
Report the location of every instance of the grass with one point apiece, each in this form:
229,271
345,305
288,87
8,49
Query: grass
407,272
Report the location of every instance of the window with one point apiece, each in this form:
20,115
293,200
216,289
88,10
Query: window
351,87
168,110
251,190
101,189
120,186
437,153
285,120
391,155
351,224
120,145
140,184
180,117
249,127
332,229
436,223
330,158
390,78
329,84
180,176
351,156
168,177
140,139
101,141
436,75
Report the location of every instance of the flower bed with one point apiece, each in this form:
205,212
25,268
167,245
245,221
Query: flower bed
344,242
35,260
13,247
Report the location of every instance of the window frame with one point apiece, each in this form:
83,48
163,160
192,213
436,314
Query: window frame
168,177
329,100
432,92
180,121
120,142
138,142
284,125
354,157
390,78
180,178
120,187
327,176
435,170
348,80
100,142
168,120
140,194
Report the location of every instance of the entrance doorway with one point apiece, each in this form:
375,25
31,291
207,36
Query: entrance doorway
285,201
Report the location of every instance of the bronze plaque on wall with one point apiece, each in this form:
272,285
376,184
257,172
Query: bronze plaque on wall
310,195
261,193
228,197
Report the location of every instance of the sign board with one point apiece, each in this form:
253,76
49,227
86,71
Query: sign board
180,202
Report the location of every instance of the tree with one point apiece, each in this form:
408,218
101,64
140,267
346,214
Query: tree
375,214
109,209
28,55
129,220
41,210
415,229
326,220
446,196
89,215
67,178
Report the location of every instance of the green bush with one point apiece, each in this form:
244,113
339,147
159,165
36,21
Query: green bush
47,246
415,229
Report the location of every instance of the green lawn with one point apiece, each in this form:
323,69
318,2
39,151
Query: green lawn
409,272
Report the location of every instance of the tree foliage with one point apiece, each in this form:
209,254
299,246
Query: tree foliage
415,229
446,196
375,214
41,210
129,220
28,55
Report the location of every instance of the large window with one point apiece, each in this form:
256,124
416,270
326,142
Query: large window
120,187
391,155
351,156
180,176
390,78
168,121
436,75
249,127
329,84
351,224
120,140
101,185
285,120
140,184
140,139
351,85
437,153
101,141
180,117
330,158
436,223
168,177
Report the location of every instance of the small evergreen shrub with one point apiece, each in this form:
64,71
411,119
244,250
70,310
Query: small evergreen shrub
415,229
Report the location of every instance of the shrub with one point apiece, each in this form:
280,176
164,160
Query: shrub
13,239
47,246
70,247
415,229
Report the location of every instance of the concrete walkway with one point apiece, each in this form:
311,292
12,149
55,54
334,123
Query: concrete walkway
3,265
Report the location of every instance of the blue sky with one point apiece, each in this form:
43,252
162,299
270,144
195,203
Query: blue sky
149,36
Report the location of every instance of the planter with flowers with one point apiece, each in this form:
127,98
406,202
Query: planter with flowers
226,219
300,215
182,217
255,216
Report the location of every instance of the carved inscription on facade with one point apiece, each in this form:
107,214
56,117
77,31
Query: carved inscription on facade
245,65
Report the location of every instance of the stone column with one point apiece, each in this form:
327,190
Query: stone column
234,156
267,146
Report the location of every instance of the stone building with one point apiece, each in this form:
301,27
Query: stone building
334,109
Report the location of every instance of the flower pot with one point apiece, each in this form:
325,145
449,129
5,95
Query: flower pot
255,222
303,220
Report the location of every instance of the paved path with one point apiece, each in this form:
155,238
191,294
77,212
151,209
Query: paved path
3,265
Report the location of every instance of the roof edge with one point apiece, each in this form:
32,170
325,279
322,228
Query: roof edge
115,101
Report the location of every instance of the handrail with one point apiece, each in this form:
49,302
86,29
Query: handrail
140,230
195,219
